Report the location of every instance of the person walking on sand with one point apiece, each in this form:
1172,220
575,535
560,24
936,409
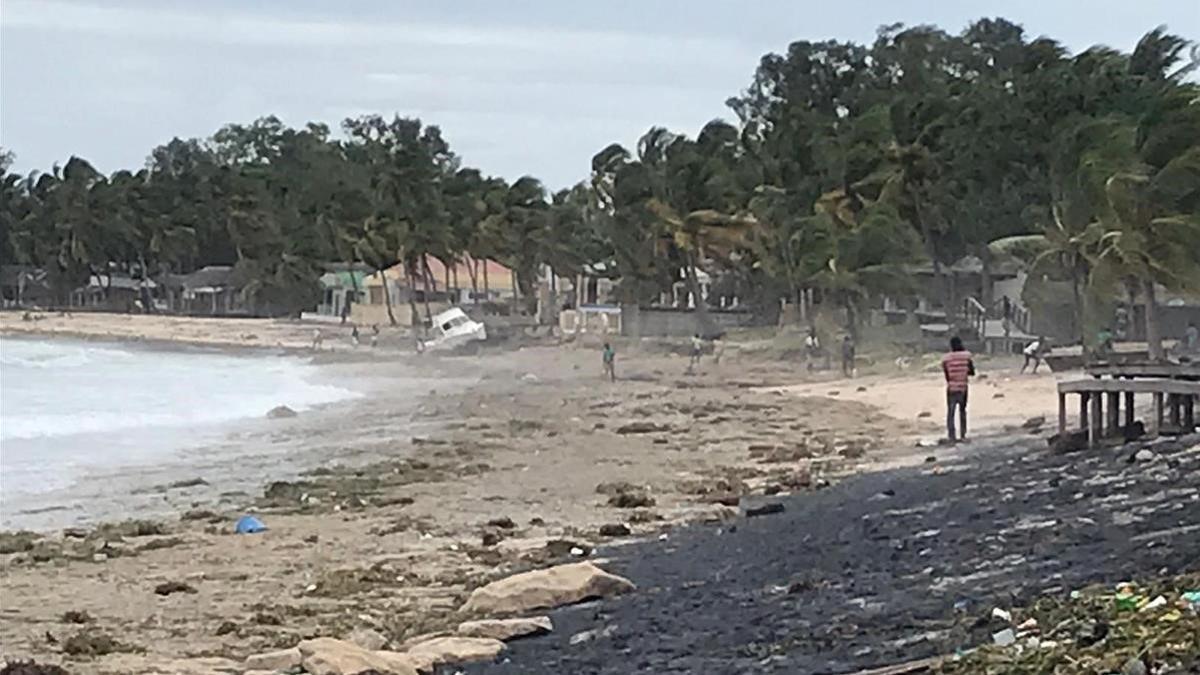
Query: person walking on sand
354,334
697,347
610,362
1033,354
958,367
848,356
318,339
374,335
718,346
812,347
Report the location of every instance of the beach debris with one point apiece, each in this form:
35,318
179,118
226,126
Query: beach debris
280,412
765,509
860,389
454,649
32,668
530,378
367,638
187,483
1004,638
170,587
1002,614
99,557
282,659
1145,455
226,628
506,629
1134,666
76,616
923,414
504,523
631,500
202,514
1034,423
327,656
927,443
93,642
546,588
491,538
642,428
249,525
614,530
593,634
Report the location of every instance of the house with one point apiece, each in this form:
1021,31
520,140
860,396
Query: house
115,292
466,282
24,286
208,291
342,287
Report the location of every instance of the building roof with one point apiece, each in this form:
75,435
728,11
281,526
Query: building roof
500,278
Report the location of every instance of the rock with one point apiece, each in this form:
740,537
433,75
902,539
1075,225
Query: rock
367,638
615,488
719,513
205,665
169,587
1134,666
490,539
504,523
506,629
443,650
931,459
923,414
283,659
861,389
1034,423
99,557
280,412
327,656
725,498
631,500
997,395
764,510
593,634
546,588
642,428
614,530
1145,455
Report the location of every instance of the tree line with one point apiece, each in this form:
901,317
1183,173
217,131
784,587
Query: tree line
845,164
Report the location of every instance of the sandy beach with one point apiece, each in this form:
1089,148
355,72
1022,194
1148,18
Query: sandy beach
408,501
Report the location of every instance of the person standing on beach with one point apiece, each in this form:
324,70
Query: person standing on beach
697,347
848,356
610,362
958,367
812,347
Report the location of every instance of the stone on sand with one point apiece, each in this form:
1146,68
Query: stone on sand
546,588
280,412
506,629
327,656
282,659
367,638
454,649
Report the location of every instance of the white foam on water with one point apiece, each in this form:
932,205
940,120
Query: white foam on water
69,407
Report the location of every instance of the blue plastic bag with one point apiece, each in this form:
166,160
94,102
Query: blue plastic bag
249,525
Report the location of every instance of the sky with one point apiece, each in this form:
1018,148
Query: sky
522,87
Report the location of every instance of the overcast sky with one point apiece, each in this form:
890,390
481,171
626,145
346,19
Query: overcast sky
521,87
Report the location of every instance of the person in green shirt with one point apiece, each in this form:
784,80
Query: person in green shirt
610,362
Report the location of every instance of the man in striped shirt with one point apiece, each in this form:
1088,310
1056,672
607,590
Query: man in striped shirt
958,369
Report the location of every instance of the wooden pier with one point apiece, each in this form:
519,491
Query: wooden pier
1106,405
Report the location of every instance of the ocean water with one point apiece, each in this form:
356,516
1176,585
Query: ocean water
71,412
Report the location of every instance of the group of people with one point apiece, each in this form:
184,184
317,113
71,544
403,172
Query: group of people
318,340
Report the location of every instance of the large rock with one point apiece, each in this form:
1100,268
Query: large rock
506,629
280,412
442,650
282,659
327,656
551,587
367,638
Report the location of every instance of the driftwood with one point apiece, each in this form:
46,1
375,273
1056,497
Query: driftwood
918,666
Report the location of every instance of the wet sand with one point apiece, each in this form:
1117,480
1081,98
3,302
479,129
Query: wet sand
388,534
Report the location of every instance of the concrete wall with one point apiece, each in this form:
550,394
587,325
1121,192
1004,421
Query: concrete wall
661,322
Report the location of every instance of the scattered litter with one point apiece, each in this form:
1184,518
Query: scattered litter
1004,638
1003,615
764,510
249,525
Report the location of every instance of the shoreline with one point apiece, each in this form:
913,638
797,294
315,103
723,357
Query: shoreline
409,480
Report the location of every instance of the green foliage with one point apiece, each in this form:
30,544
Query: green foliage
847,162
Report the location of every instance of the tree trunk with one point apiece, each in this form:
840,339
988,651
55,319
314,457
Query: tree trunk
487,292
1080,310
414,315
1153,339
474,274
704,323
852,320
428,276
988,290
387,298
